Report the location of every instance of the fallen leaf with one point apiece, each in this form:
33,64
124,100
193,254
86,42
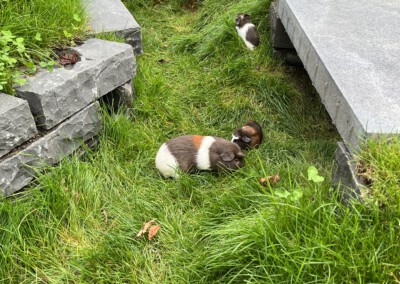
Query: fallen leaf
68,57
105,216
272,180
153,231
145,228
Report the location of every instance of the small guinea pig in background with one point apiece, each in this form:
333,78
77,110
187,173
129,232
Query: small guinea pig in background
247,31
248,136
192,152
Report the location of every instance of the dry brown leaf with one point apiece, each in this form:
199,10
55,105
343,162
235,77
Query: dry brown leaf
145,228
69,58
272,180
153,231
105,216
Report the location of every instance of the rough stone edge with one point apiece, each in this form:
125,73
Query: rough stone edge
344,176
132,38
38,102
121,96
132,35
283,48
337,107
29,161
30,129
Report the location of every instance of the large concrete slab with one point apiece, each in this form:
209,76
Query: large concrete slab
113,16
350,49
55,96
18,170
16,123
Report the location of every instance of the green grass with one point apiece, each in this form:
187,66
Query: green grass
378,166
40,26
78,222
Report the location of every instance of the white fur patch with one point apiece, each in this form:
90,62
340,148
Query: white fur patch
203,154
235,138
243,32
166,162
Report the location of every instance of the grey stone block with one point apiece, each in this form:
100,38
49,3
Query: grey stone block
344,174
279,37
113,16
121,96
18,170
359,50
16,123
55,96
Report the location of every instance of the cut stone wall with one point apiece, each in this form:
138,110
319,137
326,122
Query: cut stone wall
55,112
19,169
55,96
112,16
16,123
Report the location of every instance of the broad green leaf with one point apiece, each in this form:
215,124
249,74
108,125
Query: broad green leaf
67,34
296,194
20,81
282,193
77,18
7,36
38,37
19,42
313,175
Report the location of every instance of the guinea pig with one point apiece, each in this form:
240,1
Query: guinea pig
191,152
247,31
248,136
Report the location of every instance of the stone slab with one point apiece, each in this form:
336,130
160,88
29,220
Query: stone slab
18,170
55,96
351,52
16,123
121,96
344,175
279,37
113,16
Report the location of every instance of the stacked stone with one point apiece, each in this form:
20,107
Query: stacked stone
56,112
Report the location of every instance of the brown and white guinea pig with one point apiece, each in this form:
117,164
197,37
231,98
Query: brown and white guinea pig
248,136
191,152
247,30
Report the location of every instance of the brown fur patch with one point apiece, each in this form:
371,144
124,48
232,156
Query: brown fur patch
197,139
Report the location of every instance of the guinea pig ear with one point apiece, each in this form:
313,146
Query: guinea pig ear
227,157
246,139
247,17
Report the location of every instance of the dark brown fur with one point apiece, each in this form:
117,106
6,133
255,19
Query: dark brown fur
252,35
250,135
222,153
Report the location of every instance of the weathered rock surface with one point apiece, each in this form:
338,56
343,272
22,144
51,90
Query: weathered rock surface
18,170
121,96
16,123
55,96
350,50
344,174
113,16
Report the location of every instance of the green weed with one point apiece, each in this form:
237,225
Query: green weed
29,31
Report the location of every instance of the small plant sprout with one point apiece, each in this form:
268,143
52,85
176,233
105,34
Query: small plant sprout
313,175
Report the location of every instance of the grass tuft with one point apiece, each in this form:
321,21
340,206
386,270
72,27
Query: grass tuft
78,223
